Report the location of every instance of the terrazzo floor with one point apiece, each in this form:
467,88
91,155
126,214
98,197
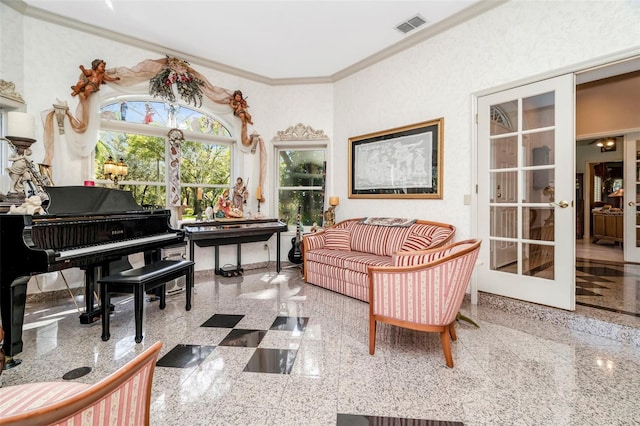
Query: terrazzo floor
314,346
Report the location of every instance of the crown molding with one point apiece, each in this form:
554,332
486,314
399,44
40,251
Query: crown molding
464,15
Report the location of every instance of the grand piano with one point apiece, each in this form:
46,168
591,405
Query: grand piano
85,226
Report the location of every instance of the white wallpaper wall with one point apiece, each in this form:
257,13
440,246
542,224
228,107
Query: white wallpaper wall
51,57
11,47
438,77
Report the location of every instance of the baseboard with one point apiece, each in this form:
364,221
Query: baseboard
621,328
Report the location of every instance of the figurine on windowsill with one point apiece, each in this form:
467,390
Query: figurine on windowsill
240,195
224,209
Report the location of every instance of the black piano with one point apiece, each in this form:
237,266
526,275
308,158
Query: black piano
85,226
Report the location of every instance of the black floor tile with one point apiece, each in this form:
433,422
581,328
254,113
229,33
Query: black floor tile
185,356
275,361
290,324
593,278
602,271
587,284
243,338
362,420
584,292
223,321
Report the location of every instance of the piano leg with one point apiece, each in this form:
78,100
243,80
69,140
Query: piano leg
13,299
278,253
91,313
106,301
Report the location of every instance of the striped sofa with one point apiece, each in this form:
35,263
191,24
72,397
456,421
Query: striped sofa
338,258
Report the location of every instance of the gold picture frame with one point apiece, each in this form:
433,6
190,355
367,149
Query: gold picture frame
405,162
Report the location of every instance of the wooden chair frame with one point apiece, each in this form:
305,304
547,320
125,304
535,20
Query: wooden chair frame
446,329
61,411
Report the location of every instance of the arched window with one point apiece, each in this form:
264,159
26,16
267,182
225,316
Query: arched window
136,131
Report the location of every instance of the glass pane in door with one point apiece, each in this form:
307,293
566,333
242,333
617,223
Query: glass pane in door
504,118
538,261
522,179
538,111
504,152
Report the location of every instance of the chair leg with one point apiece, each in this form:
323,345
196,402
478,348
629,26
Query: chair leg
452,331
372,336
446,347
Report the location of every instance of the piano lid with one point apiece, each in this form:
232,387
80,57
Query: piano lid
89,199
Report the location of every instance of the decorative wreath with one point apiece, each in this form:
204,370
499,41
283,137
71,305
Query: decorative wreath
178,73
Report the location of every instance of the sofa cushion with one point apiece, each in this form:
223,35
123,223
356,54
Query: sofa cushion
337,239
360,262
328,257
416,242
379,240
438,234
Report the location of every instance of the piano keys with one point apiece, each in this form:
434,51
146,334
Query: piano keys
86,227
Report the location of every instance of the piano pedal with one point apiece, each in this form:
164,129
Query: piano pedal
11,362
229,271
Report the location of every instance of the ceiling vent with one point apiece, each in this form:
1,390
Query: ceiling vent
411,24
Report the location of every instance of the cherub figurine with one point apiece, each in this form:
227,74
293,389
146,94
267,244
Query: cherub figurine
239,105
90,80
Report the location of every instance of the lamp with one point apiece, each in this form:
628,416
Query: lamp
115,171
330,214
607,144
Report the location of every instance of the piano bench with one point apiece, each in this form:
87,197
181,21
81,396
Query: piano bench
140,280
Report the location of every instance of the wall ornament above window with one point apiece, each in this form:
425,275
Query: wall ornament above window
8,90
300,132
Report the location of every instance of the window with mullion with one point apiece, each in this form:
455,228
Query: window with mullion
301,185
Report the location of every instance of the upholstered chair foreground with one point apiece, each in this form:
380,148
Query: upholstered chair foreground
423,292
122,398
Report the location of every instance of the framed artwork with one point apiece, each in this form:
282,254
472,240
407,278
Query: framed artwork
405,162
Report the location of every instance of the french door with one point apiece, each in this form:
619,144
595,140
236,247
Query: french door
526,190
631,201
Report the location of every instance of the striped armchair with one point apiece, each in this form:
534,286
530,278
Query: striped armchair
122,398
425,293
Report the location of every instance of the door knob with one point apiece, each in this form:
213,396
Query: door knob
631,204
562,204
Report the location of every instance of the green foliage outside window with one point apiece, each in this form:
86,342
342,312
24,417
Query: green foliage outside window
301,182
203,165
